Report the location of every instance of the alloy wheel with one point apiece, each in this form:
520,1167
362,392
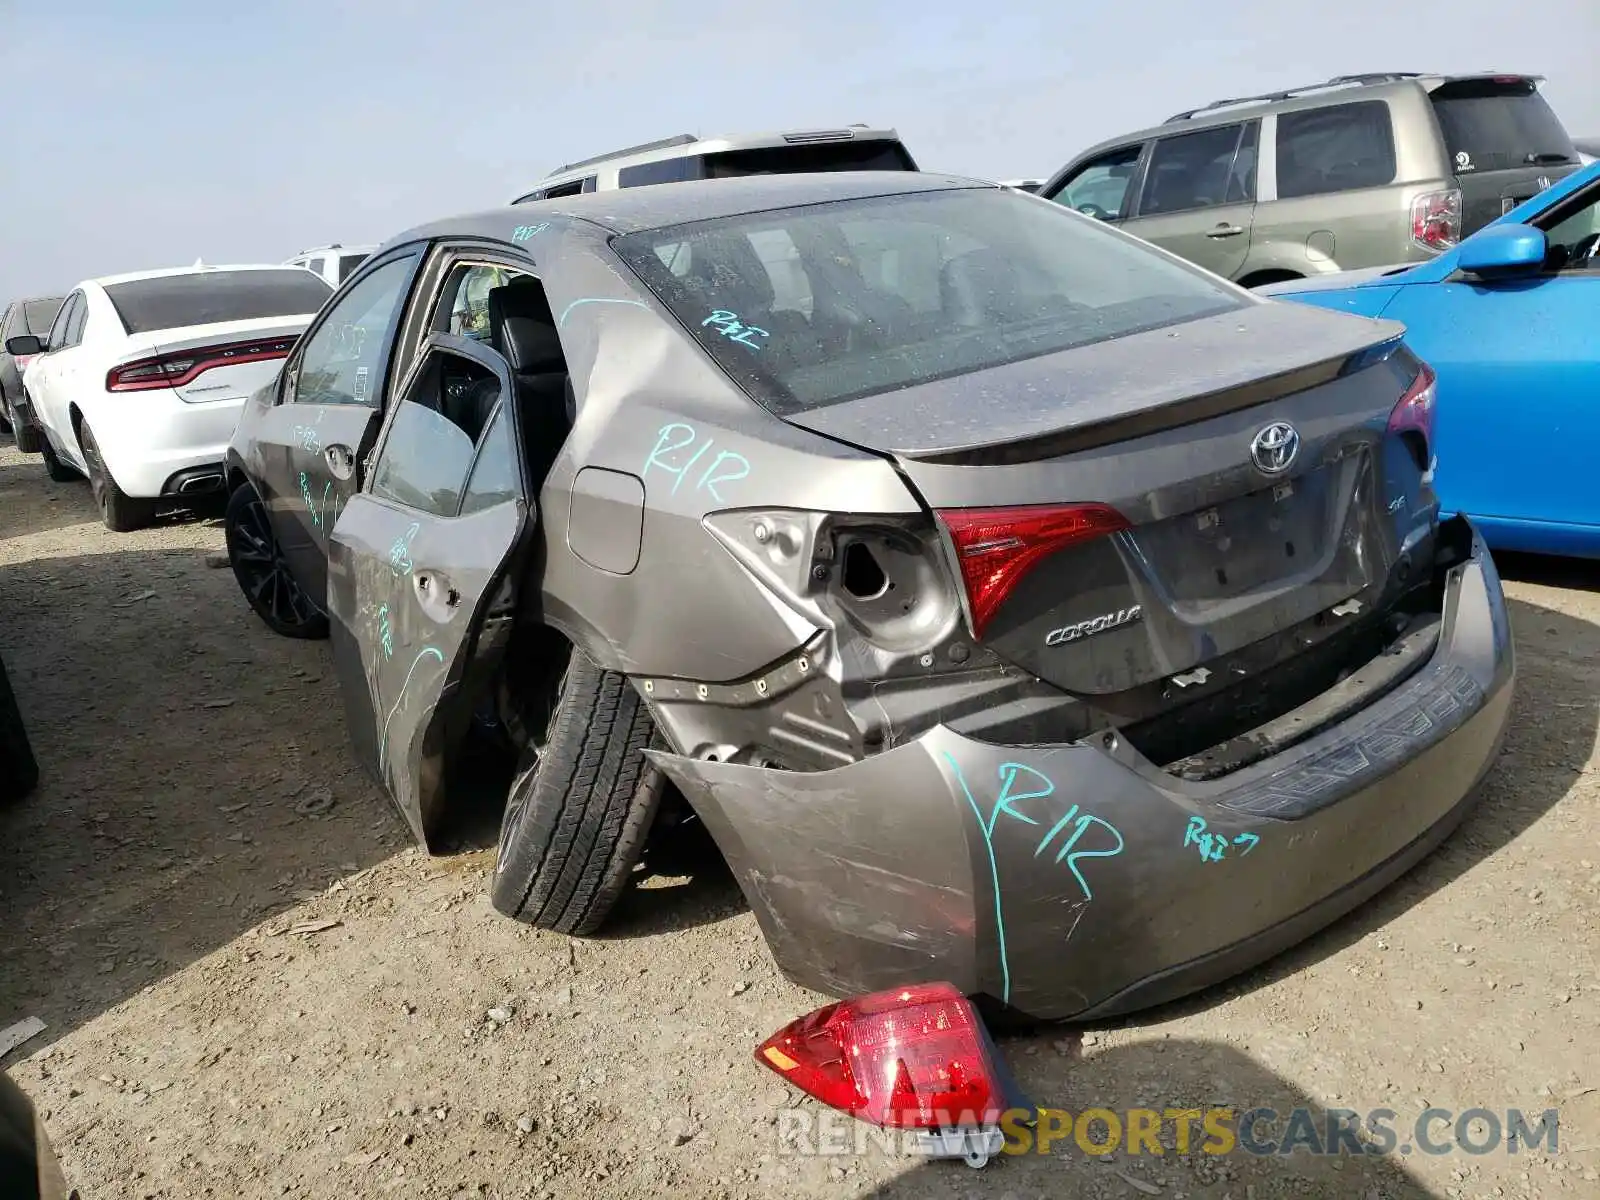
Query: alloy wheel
253,549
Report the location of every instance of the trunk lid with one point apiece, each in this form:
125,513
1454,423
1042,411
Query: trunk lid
1163,427
239,370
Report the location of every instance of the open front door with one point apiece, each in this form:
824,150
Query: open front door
423,577
330,405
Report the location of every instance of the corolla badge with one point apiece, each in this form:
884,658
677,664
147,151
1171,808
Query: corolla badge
1273,450
1083,629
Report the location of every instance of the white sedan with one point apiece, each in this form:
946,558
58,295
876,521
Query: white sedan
140,382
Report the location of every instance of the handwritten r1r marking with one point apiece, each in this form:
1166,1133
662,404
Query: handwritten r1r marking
676,436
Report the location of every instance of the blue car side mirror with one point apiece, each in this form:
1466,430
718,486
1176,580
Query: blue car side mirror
1502,250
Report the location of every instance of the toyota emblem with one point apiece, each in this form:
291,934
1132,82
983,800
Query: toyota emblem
1273,449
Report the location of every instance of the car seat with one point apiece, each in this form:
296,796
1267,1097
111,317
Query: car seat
523,329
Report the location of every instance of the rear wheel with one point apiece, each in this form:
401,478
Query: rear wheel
263,574
581,805
28,438
57,470
121,512
1262,278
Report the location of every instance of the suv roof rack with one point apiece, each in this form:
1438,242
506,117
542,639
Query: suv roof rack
1338,81
680,139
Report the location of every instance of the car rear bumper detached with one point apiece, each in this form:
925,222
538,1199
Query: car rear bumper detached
1081,880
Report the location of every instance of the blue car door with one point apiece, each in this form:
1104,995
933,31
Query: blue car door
1518,417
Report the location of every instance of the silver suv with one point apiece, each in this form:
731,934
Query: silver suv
685,157
1360,171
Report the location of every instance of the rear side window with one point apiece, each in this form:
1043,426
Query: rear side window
1337,148
426,458
826,156
668,170
1496,125
348,263
37,315
906,289
1192,170
206,297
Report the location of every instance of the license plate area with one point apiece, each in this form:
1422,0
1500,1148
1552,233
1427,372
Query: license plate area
1243,544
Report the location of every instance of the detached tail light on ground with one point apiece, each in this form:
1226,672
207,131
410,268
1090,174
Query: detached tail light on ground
177,369
1412,417
997,547
918,1058
1436,219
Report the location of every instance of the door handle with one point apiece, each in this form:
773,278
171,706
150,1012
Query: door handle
1226,231
341,461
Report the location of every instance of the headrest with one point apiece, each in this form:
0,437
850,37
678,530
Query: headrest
523,296
727,273
531,347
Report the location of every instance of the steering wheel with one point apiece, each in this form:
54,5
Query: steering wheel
1089,209
1583,250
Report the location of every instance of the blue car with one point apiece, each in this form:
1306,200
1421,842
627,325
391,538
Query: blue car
1510,321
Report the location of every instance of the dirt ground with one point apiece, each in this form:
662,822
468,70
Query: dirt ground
253,986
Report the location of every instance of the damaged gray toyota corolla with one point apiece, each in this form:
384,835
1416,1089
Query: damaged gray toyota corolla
1014,603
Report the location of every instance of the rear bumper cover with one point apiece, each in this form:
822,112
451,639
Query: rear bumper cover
1080,880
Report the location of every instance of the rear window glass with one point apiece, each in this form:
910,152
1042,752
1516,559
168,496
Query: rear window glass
1335,149
812,306
39,315
207,297
792,160
1493,126
668,170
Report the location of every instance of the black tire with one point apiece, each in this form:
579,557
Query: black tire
19,770
261,571
58,471
581,806
28,438
121,512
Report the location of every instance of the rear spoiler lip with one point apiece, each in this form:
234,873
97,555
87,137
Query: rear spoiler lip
1188,411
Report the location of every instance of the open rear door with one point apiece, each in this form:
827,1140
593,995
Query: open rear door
422,569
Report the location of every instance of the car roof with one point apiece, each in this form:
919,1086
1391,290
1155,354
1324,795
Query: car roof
1341,89
205,269
340,247
630,210
684,144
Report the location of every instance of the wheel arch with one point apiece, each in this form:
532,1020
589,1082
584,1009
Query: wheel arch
1269,275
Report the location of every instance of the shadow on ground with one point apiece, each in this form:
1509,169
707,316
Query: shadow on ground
1181,1074
25,490
195,778
1577,573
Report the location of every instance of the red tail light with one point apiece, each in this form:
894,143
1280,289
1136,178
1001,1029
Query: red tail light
917,1058
997,547
1413,415
175,370
1436,219
22,361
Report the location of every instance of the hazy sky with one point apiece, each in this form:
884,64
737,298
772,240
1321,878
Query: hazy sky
146,133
